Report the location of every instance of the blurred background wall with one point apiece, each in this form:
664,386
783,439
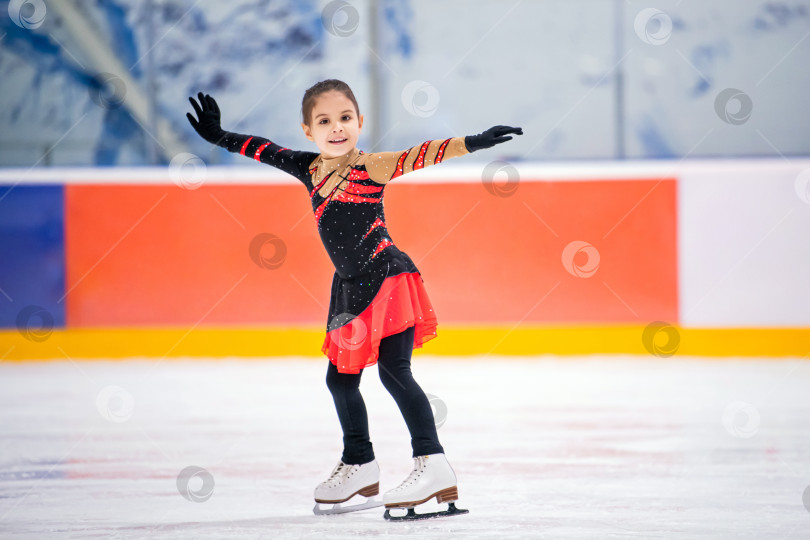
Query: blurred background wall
591,79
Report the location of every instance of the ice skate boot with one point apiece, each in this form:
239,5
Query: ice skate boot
345,482
431,477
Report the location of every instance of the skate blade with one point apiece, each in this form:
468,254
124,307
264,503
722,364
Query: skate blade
338,508
412,515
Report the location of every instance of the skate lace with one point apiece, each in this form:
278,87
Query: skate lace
340,470
418,468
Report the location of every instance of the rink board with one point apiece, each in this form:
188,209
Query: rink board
569,260
517,340
183,255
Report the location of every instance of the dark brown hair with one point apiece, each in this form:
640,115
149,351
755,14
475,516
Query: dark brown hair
317,89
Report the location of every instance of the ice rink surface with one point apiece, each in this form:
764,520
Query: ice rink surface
588,447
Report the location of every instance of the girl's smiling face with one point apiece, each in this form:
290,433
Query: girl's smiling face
334,124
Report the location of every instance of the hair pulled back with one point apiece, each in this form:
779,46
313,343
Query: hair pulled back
312,93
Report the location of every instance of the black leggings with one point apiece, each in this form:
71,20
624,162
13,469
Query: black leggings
394,364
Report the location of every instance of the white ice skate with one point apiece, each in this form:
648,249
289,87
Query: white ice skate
432,476
345,482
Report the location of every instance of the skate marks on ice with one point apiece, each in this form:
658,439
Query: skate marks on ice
599,447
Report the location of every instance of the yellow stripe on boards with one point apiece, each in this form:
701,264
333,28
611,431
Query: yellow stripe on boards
523,340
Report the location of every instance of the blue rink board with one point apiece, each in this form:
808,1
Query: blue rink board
32,255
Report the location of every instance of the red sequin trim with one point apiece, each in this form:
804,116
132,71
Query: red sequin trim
257,156
244,146
356,174
319,211
314,191
377,223
420,160
400,165
348,197
355,188
381,246
343,196
440,154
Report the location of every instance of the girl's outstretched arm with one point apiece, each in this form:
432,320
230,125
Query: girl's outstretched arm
207,125
383,167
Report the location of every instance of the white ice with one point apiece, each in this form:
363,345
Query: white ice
588,447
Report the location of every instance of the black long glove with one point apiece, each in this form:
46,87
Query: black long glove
490,137
208,126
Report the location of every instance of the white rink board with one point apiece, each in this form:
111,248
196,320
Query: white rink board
599,447
744,255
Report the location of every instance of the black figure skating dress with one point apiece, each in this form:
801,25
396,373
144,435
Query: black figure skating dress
377,290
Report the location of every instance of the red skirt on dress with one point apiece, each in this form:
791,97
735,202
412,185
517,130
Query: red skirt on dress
401,302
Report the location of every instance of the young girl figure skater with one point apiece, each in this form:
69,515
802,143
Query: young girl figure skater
379,310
